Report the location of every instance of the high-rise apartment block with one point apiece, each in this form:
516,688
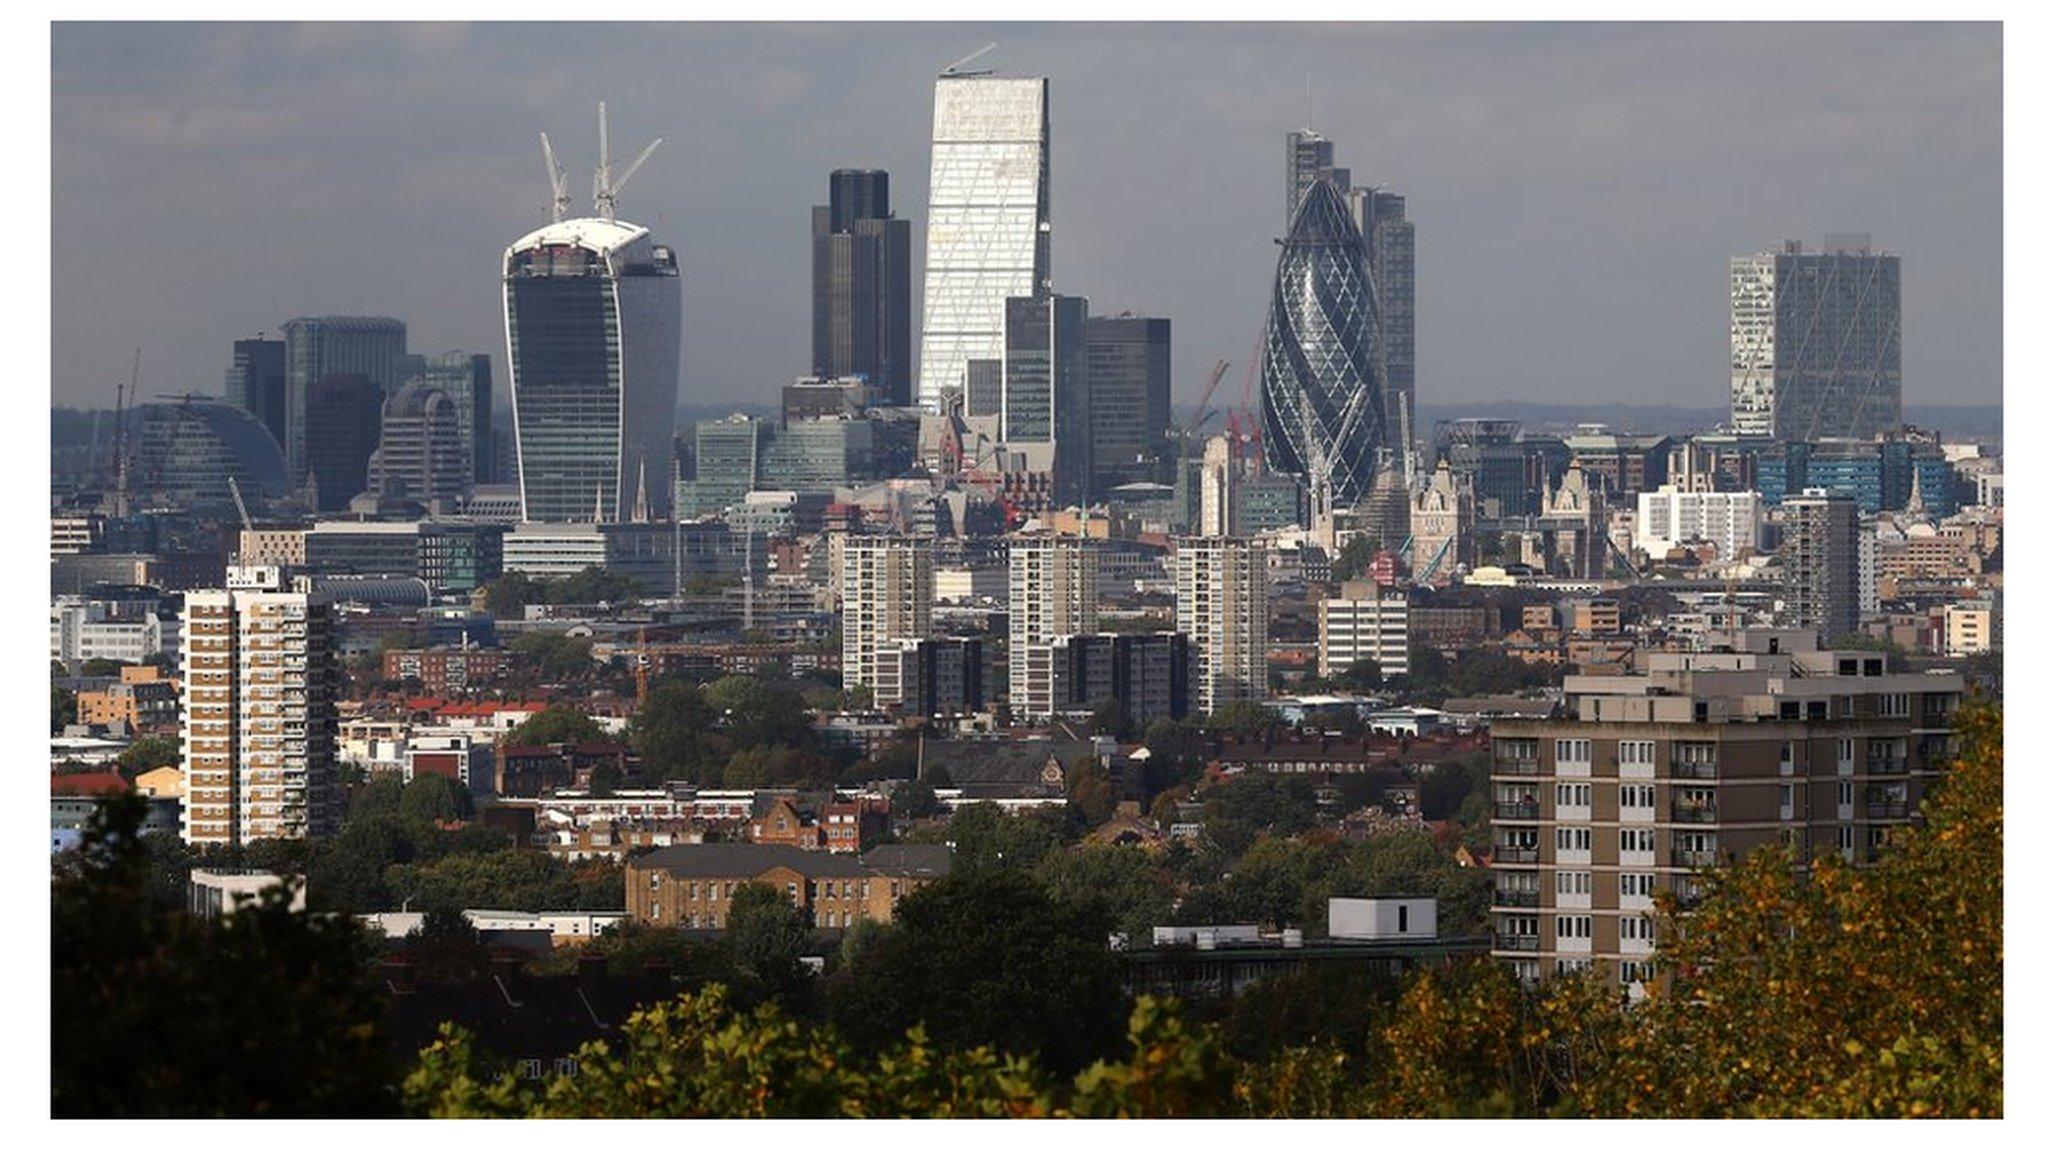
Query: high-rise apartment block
1700,760
1222,602
319,347
1363,622
258,713
256,384
1669,517
1820,552
988,234
1814,341
1054,584
860,286
885,598
1130,391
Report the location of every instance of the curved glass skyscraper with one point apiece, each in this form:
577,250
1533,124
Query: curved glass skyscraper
1320,375
593,335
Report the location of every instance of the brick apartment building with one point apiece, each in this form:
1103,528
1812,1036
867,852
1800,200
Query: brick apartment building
692,885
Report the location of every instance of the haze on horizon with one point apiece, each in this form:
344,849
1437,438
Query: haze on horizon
1577,188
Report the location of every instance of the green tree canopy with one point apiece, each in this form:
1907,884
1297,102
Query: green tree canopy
556,725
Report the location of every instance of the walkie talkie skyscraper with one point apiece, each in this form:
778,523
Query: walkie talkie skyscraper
1321,377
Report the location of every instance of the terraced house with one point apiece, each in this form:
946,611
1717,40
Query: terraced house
692,885
1698,761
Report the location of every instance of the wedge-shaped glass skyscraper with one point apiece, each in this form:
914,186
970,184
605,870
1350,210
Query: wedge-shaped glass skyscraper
593,335
989,235
1321,376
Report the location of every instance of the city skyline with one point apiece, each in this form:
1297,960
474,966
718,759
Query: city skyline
1526,178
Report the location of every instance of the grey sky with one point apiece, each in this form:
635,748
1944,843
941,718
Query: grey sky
1577,189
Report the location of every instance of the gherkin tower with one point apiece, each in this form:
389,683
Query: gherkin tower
1321,376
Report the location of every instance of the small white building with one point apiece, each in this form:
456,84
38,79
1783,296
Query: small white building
1383,918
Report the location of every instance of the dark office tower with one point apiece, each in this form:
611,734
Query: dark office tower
320,346
1390,252
1310,155
1130,385
466,378
1821,556
344,411
1814,341
1045,389
420,453
255,383
1320,390
860,286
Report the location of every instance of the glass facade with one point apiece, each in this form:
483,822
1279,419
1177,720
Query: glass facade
1045,385
1130,382
189,449
1320,375
593,334
317,347
989,235
1814,342
860,286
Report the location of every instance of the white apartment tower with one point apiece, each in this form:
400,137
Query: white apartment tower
1364,622
1220,589
988,232
1053,593
1670,516
258,711
885,597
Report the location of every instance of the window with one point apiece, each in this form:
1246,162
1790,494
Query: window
1640,928
565,1066
1894,704
1574,751
529,1069
1638,840
1574,795
1574,883
1638,752
1638,884
1574,839
1573,965
1521,749
1845,793
1636,972
1642,796
1574,927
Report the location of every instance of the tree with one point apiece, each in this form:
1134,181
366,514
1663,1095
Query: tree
1237,810
508,595
100,666
914,800
430,800
593,585
1110,718
154,1013
985,838
554,655
147,753
671,730
989,958
759,713
1135,892
1244,720
1092,791
555,726
63,708
766,936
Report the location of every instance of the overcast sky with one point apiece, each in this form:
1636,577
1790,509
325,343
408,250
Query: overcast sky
1576,189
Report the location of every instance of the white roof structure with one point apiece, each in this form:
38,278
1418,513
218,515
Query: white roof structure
589,232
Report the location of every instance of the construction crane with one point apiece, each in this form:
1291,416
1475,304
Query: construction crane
235,490
558,182
959,67
605,188
120,461
1202,413
640,663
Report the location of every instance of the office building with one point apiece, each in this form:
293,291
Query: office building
450,556
1130,392
317,347
1814,341
188,450
258,715
121,622
1148,674
1054,591
593,337
1670,517
1699,761
1046,390
885,596
466,378
420,454
1390,252
256,384
1320,386
1310,155
346,414
988,234
1222,603
1820,553
860,286
1363,622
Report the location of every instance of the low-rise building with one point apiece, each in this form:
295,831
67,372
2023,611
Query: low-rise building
692,885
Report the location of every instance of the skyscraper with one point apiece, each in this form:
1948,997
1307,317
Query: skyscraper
420,452
1320,374
257,712
1310,155
1220,594
860,286
1820,554
593,335
1390,252
256,384
466,378
1045,389
1130,388
885,597
317,347
344,411
1053,592
1814,341
989,230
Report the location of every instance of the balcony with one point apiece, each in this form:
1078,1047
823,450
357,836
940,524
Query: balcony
1516,855
1517,810
1885,809
1515,767
1889,766
1693,858
1517,944
1513,898
1696,814
1696,770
